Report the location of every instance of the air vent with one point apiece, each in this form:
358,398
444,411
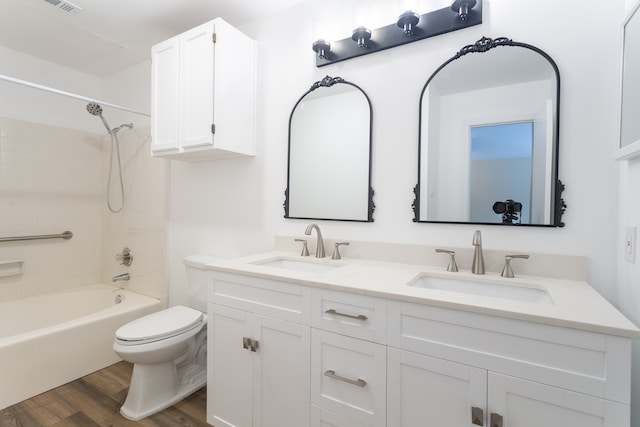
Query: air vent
64,5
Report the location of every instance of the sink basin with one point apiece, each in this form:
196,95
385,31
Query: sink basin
299,265
496,290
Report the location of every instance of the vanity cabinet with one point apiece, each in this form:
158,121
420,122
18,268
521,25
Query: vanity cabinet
259,353
203,94
322,357
475,369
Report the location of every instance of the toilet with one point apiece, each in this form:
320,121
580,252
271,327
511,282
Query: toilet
168,349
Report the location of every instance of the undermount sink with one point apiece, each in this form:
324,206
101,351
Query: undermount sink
496,290
298,265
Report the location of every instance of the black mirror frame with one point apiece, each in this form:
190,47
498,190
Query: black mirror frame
483,45
329,81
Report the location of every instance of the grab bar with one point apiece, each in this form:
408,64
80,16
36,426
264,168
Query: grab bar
66,235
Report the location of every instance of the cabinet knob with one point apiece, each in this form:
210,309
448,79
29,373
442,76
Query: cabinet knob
477,416
496,420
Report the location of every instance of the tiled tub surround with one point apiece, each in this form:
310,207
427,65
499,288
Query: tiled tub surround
54,179
48,340
566,359
50,181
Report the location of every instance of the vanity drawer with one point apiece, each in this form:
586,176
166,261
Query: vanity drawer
348,377
322,418
582,361
272,298
358,316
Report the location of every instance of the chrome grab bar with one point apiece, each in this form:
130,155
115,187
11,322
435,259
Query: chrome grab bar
66,235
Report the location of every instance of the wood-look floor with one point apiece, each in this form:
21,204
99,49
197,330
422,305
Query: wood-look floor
95,400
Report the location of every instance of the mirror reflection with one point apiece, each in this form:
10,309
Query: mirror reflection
329,164
489,138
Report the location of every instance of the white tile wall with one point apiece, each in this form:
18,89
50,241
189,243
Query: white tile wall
53,179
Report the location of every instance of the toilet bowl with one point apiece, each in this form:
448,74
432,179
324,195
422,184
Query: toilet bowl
167,349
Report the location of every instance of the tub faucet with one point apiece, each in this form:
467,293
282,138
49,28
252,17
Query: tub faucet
478,259
320,245
124,276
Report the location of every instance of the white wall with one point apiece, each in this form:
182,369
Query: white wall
627,275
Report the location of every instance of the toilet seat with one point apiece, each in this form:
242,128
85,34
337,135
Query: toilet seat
161,325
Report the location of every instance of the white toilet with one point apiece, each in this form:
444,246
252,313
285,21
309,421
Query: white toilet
168,349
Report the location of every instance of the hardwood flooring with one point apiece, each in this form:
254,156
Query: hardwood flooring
95,400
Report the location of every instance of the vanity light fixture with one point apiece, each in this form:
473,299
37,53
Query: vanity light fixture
407,21
322,48
462,7
361,36
413,27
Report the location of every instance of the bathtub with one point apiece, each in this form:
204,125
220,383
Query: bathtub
51,339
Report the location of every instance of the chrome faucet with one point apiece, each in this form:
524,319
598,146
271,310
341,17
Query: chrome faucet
119,277
478,259
320,245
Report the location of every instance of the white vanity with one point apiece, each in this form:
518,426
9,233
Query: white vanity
300,341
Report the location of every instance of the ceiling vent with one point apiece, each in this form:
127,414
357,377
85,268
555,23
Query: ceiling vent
64,5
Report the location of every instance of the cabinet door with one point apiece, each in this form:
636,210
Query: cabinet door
523,403
426,391
165,96
281,380
196,86
229,368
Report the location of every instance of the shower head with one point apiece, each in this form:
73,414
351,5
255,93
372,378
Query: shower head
94,109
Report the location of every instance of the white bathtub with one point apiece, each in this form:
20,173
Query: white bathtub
49,340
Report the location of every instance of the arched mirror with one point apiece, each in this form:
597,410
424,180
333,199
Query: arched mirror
488,138
329,164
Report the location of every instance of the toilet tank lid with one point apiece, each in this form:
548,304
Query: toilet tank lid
200,261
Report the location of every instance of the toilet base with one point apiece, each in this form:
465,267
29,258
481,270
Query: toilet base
159,394
155,387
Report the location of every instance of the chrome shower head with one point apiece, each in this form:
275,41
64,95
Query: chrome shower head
94,109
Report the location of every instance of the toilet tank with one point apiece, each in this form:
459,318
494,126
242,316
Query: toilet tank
198,279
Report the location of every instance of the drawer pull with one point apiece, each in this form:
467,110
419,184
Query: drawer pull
496,420
477,416
332,374
350,316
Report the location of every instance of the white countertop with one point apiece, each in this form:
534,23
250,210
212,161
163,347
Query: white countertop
574,304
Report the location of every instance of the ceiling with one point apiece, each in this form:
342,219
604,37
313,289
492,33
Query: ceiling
100,37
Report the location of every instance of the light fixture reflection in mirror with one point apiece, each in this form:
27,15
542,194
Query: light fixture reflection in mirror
514,85
329,162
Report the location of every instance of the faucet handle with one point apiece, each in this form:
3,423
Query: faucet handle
125,257
453,267
336,250
507,271
305,249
